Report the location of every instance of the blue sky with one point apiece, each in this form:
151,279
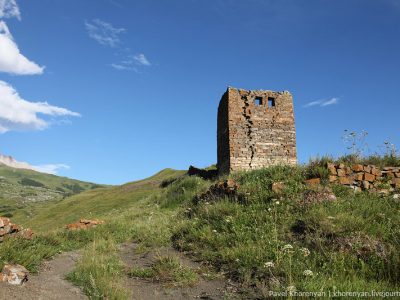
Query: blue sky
118,89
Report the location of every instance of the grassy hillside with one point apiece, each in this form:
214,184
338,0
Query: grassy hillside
24,191
295,238
99,203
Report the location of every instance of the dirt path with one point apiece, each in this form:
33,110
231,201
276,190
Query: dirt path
48,284
145,289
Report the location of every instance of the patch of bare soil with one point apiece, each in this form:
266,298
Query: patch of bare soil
49,283
147,289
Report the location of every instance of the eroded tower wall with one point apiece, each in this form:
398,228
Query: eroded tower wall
255,130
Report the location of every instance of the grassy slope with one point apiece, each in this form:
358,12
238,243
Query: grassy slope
352,242
100,203
23,192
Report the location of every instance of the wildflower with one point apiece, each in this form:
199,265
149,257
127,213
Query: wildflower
269,264
277,202
308,273
214,231
237,259
305,252
287,247
269,209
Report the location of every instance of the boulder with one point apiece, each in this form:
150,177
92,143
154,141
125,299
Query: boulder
14,274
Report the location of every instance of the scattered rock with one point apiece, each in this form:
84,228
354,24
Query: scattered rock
84,224
396,196
9,229
14,274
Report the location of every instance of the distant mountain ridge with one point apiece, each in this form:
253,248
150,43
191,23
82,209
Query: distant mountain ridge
13,163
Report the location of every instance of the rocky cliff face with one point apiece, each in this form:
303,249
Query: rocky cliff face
11,162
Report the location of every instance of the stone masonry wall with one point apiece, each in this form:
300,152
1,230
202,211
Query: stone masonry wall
365,177
255,130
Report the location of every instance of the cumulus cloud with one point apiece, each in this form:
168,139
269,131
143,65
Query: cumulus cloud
104,33
141,60
51,168
9,9
322,103
11,59
19,114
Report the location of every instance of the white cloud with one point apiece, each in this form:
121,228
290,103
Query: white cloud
9,9
323,103
141,60
51,168
11,60
129,63
124,66
104,33
19,114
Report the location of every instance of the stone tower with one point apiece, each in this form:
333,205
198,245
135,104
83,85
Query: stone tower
255,130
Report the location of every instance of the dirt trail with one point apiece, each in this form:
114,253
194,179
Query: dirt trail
142,289
49,283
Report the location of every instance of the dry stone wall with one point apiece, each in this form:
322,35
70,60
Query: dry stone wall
255,130
365,177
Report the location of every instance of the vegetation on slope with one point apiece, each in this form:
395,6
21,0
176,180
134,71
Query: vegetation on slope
23,192
269,242
279,242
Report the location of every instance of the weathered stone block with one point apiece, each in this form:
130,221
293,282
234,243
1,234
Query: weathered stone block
341,172
366,185
376,172
345,181
359,176
332,169
367,169
357,168
369,177
332,178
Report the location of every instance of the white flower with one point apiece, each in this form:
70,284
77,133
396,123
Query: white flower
269,209
269,264
214,231
305,251
277,202
287,247
308,273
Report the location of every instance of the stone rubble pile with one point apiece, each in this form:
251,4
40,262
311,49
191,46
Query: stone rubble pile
364,177
9,229
14,274
84,224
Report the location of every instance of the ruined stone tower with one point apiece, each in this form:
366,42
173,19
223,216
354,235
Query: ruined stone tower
255,130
